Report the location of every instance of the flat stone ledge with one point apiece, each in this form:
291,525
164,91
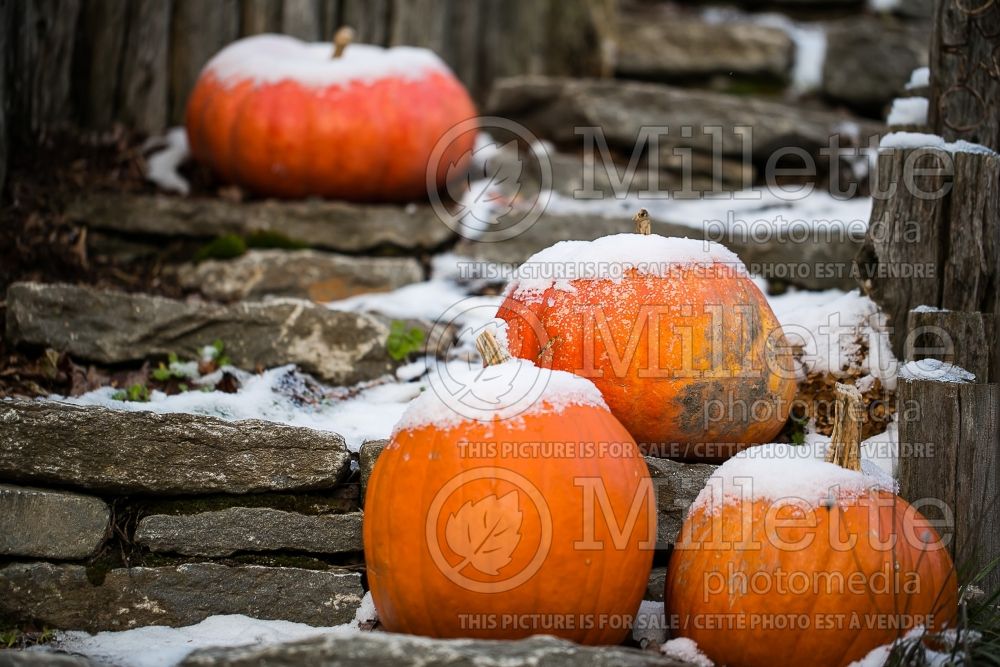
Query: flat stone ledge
331,225
112,327
97,449
382,648
41,523
225,532
61,596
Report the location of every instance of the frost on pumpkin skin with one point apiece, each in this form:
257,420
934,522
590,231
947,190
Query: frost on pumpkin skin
682,344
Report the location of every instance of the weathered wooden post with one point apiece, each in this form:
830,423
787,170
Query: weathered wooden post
931,261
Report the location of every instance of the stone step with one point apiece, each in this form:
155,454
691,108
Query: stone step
553,108
339,226
382,648
114,327
112,451
42,523
61,596
238,529
303,274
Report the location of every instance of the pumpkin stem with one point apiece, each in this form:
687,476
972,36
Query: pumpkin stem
490,349
341,38
845,441
643,225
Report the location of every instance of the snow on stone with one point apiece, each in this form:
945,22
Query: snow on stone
685,650
919,78
367,413
650,622
267,59
757,214
935,369
809,40
918,651
908,111
834,329
784,473
928,309
506,391
161,166
904,140
610,258
161,646
884,5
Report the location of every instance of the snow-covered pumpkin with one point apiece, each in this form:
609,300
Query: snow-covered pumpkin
785,558
527,510
682,344
286,118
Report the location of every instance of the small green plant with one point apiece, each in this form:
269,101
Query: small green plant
137,393
227,246
403,340
220,357
799,429
166,372
271,239
8,638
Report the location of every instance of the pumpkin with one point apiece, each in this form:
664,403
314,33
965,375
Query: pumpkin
494,521
682,344
285,118
784,559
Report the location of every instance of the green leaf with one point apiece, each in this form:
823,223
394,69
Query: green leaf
403,341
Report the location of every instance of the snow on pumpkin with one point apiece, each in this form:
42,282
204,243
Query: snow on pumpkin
285,118
680,341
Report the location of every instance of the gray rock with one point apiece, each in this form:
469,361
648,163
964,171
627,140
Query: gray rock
225,532
305,274
50,524
664,48
554,108
143,452
42,658
807,259
61,596
677,485
854,45
656,584
331,225
377,649
114,327
367,457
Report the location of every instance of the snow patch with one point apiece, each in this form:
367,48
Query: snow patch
784,473
509,390
920,77
161,646
935,369
161,166
908,111
904,140
650,622
610,258
267,59
686,650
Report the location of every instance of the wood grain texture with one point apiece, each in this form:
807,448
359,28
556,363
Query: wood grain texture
965,85
102,42
965,339
145,79
198,30
258,16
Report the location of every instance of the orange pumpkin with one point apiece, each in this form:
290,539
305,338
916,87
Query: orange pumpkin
682,344
285,118
784,559
489,513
